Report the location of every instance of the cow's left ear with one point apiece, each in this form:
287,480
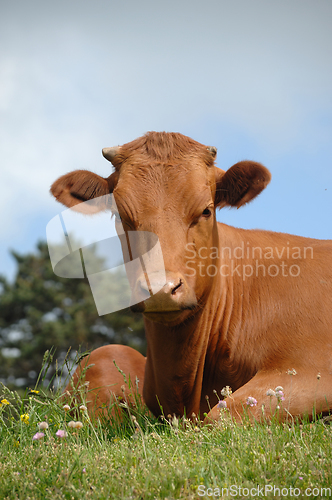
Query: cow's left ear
240,184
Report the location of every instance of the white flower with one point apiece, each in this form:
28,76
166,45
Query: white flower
75,425
280,395
226,391
43,425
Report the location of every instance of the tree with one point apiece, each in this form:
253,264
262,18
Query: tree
40,310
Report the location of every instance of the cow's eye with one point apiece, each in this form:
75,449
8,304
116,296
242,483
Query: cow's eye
207,213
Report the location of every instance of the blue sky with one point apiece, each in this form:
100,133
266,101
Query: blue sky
253,78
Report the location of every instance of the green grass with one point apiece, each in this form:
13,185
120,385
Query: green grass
146,458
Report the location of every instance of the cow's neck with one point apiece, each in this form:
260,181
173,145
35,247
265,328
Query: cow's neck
183,362
176,360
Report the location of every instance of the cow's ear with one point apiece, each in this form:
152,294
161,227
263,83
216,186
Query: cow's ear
240,184
80,186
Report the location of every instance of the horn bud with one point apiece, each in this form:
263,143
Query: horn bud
212,150
110,153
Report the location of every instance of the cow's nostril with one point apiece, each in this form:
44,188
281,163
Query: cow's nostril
174,290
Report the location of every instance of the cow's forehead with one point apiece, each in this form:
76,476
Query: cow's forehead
172,175
186,177
157,185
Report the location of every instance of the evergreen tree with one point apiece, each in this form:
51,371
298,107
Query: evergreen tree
40,310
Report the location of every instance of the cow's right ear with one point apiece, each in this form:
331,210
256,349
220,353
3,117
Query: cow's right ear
81,185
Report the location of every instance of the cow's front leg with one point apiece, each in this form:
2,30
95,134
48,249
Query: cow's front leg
285,394
106,374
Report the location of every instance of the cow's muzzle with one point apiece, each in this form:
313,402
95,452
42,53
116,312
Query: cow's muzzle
173,296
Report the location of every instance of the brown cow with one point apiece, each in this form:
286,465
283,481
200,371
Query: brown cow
241,308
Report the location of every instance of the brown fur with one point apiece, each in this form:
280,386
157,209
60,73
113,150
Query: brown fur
81,185
243,182
206,332
88,383
162,147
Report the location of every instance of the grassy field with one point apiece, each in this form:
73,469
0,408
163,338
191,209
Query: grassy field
145,458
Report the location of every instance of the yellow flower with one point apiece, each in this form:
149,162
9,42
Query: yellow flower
4,402
25,418
34,391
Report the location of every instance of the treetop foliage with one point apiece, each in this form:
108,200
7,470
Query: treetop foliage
40,310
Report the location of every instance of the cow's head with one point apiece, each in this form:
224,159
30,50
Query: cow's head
168,184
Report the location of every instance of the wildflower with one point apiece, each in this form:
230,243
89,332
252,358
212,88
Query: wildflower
66,407
43,425
61,434
226,391
251,401
270,393
84,470
175,422
34,391
38,435
291,372
279,394
4,402
222,404
75,425
83,408
25,418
